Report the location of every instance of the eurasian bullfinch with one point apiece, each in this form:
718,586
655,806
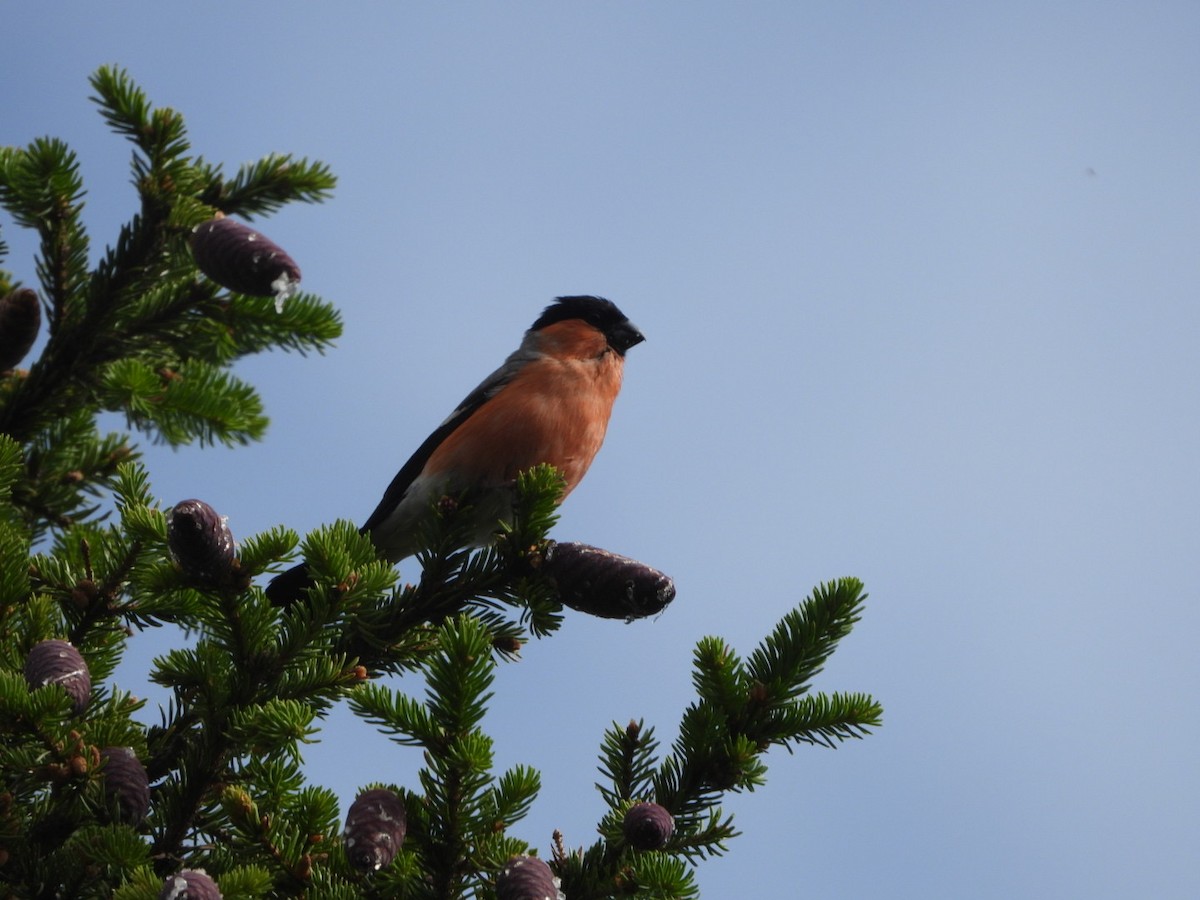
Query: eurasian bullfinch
549,403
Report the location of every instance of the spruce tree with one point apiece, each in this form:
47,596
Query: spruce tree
213,801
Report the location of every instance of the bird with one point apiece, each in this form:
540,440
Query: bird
549,402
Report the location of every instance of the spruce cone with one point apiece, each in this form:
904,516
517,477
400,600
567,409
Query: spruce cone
201,542
648,826
606,584
125,781
58,662
189,884
237,257
526,878
20,319
375,827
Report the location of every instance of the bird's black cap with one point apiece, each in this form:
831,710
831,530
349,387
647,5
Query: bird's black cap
596,311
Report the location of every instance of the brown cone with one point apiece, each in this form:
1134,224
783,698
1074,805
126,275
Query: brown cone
201,542
648,826
237,257
526,878
20,319
58,662
375,826
125,782
189,884
605,584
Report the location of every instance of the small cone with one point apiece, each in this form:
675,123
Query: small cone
606,584
58,662
375,827
189,884
526,878
648,826
237,257
125,782
201,542
20,319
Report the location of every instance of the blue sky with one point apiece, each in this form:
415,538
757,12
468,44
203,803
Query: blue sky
919,284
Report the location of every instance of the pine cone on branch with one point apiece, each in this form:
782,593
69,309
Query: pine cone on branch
375,827
526,878
58,662
20,319
648,826
126,784
189,884
606,584
241,259
200,541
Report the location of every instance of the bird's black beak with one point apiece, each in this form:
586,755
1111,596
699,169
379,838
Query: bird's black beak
625,336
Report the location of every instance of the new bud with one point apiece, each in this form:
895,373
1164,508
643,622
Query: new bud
237,257
648,826
201,542
375,826
58,662
126,784
189,884
20,319
526,878
606,584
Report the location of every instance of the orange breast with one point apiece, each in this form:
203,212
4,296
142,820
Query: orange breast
555,410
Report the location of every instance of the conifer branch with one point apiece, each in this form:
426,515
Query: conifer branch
136,317
264,186
151,334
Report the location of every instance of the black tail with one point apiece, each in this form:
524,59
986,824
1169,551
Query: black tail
288,587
